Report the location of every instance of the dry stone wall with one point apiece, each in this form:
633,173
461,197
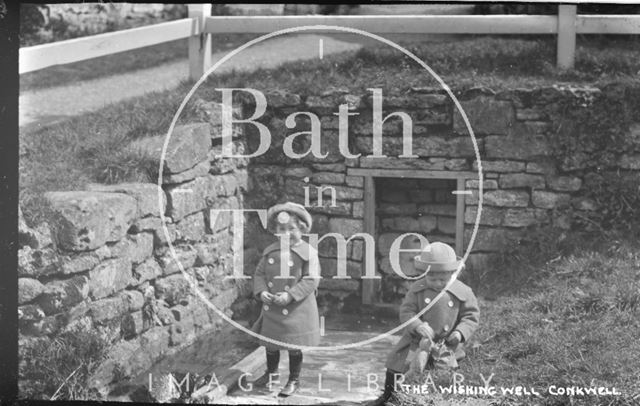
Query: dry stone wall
103,261
523,185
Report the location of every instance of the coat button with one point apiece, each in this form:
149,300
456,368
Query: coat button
450,303
266,307
271,261
290,263
427,300
286,288
285,311
446,327
270,284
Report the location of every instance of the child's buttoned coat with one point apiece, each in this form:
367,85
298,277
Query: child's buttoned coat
297,322
457,309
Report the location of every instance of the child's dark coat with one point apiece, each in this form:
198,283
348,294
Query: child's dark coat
457,309
298,322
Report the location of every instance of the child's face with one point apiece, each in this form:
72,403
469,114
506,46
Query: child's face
290,229
437,280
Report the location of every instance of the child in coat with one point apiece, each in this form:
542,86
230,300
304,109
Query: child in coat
289,310
453,318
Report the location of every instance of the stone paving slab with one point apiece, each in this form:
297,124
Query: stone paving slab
328,377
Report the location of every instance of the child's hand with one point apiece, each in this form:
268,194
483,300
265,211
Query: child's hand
266,297
425,330
282,298
454,338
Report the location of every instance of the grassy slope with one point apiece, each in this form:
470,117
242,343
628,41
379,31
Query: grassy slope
576,325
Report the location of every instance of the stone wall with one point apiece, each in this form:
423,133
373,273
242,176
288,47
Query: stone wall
524,184
103,262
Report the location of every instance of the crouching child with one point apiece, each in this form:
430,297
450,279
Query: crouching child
446,325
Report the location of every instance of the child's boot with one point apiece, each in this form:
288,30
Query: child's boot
293,383
271,375
389,389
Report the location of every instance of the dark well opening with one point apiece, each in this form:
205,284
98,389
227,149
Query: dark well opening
422,206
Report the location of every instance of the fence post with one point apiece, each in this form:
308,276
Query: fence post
200,44
566,36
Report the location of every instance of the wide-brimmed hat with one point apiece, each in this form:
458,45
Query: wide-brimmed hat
292,208
438,257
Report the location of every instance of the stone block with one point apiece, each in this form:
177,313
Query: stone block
145,194
147,224
438,209
134,247
30,312
277,99
147,270
340,208
29,289
358,209
345,227
60,295
172,288
519,180
393,195
104,310
34,262
322,178
188,145
404,209
486,116
584,203
83,221
458,164
525,217
490,216
447,225
298,172
500,166
550,200
516,147
132,325
524,114
565,183
329,267
198,194
108,277
191,227
133,299
165,316
506,198
186,256
545,168
201,169
335,167
436,164
487,184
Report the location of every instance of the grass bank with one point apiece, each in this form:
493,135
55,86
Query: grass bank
573,323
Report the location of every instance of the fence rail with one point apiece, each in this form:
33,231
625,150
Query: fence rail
200,26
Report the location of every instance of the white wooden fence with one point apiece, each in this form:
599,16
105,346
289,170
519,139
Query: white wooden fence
200,26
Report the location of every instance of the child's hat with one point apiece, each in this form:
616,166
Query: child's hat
282,209
440,257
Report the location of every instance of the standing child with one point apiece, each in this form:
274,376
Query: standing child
453,318
289,309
